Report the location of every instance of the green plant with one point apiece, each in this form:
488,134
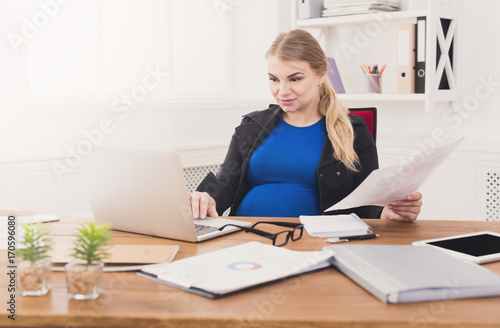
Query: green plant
92,242
36,242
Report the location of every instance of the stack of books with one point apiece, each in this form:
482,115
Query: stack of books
354,7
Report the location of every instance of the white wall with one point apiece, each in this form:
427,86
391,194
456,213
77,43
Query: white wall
31,140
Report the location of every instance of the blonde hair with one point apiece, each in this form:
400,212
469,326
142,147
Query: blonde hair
299,45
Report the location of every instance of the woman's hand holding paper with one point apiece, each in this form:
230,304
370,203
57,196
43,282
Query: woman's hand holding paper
405,210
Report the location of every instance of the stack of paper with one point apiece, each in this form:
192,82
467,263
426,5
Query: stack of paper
343,7
335,225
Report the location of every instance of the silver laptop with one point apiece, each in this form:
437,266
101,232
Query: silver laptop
143,191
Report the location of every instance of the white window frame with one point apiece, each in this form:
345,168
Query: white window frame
104,102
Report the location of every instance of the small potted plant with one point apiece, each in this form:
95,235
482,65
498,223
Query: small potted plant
84,276
34,264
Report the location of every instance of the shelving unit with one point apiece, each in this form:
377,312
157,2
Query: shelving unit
357,19
382,96
434,38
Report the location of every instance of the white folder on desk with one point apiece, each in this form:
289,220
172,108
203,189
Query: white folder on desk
235,268
405,273
325,226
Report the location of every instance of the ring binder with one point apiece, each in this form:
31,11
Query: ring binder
420,55
406,58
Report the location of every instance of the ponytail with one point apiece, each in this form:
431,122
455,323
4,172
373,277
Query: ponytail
339,127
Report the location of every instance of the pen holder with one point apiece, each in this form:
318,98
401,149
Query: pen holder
373,83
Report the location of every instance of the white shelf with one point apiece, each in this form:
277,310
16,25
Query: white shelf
382,96
364,18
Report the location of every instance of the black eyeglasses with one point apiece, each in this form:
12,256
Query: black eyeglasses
279,238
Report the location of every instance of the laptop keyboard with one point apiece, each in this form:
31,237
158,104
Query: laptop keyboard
203,229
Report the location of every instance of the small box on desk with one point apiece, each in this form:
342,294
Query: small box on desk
309,8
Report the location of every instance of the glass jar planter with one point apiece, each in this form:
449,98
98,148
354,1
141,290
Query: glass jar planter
84,282
34,279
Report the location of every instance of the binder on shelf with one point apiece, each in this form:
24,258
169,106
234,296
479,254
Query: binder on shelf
309,8
420,37
406,58
334,76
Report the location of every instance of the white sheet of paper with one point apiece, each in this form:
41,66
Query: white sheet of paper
19,232
383,186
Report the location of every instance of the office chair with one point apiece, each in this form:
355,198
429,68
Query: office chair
369,115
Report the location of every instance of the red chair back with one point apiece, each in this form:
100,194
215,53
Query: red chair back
369,115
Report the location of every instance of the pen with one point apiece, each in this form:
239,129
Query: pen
348,238
382,70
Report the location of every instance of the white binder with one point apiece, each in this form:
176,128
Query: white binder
405,274
406,58
309,8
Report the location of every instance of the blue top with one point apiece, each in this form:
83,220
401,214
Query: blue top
282,172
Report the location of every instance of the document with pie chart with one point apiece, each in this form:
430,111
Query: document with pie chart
235,268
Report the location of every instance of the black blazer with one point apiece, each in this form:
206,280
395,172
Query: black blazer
335,182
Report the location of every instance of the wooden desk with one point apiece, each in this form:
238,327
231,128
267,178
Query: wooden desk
325,298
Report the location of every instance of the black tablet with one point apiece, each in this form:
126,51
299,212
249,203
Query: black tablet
478,247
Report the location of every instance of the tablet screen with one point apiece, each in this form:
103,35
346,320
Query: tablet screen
479,245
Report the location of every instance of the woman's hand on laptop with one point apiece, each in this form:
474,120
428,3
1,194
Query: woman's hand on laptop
203,205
